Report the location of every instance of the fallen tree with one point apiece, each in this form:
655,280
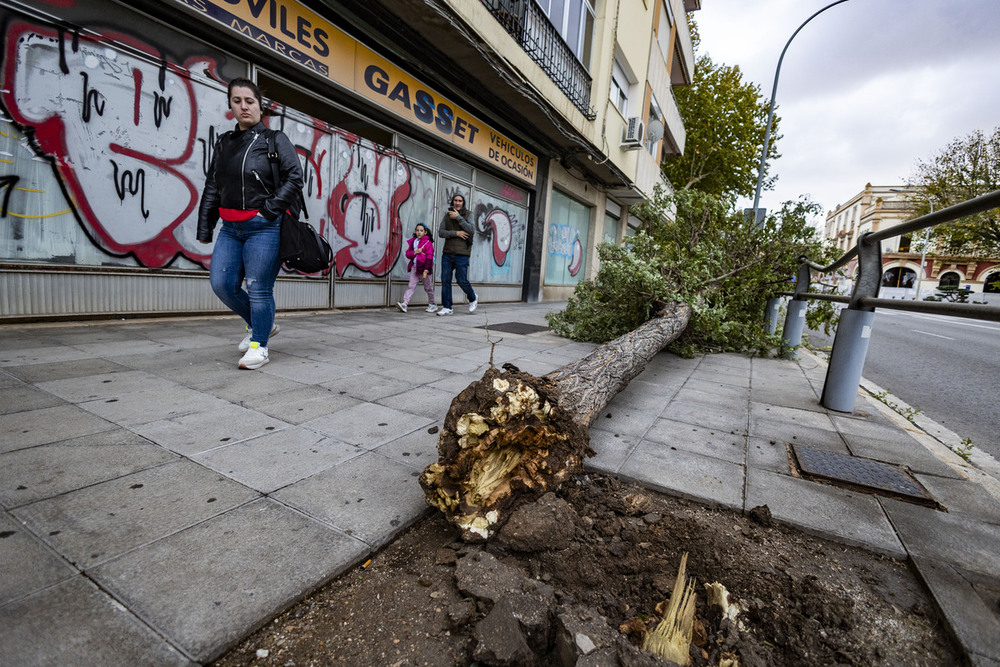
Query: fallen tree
511,436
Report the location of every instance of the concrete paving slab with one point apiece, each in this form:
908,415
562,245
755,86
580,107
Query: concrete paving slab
722,375
456,365
792,416
106,386
624,420
205,587
767,454
612,451
700,389
301,405
452,383
425,401
26,563
273,461
308,371
40,355
970,620
702,440
369,386
40,427
830,512
675,471
782,431
122,346
97,523
61,370
722,416
368,425
19,398
235,385
50,470
369,497
795,394
911,454
637,399
957,539
217,424
74,623
961,496
142,407
873,430
416,450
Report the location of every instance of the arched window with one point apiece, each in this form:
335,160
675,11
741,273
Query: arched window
950,279
899,276
992,284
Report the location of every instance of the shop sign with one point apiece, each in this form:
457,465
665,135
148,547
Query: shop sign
293,31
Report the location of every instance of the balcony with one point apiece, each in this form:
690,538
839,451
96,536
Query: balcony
533,31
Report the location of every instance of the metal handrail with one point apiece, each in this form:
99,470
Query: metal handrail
850,345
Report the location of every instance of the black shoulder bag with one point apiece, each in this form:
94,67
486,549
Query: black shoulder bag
302,249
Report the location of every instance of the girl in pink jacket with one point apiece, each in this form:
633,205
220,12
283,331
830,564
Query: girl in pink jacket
420,252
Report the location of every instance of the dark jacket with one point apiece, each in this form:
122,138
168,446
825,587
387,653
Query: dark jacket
241,177
448,230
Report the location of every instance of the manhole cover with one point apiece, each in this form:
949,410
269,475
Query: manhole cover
872,475
516,328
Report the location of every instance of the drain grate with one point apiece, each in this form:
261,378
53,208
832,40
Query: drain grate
871,475
515,328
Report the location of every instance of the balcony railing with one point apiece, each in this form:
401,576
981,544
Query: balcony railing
526,23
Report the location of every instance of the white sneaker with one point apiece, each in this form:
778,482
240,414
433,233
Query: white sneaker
245,343
432,308
472,305
401,306
255,357
445,311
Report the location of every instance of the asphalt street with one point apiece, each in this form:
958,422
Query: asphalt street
947,367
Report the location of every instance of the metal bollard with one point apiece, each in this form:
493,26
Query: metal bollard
771,315
795,322
847,360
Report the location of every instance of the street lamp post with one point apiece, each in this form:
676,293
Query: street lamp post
927,236
770,112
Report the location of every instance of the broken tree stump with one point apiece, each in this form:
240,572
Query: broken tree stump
511,436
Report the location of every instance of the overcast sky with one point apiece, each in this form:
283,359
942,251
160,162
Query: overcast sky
866,89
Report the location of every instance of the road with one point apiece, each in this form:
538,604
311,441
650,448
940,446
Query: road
947,367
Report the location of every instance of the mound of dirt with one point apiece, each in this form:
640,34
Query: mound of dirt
575,578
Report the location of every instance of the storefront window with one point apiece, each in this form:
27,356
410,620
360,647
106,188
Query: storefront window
610,228
568,234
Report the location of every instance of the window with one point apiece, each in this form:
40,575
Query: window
574,21
950,279
663,31
898,277
654,115
568,235
619,88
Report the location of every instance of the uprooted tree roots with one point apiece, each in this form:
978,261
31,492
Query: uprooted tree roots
511,436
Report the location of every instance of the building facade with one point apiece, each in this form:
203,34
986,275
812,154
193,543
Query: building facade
551,116
881,207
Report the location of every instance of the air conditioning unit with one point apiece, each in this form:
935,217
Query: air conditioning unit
632,135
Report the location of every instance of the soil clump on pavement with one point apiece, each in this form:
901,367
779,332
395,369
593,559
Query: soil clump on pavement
577,576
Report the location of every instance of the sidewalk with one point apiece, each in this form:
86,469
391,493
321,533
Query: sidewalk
159,504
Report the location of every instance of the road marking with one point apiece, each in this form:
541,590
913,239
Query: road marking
928,333
958,321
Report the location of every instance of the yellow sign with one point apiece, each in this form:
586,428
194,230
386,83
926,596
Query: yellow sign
288,28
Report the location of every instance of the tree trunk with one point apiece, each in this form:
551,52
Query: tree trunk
511,436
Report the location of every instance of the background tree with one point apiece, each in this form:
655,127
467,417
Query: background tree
967,167
725,119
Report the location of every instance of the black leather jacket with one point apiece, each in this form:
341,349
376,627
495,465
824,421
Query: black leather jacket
241,177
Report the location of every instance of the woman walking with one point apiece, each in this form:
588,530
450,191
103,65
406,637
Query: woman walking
240,189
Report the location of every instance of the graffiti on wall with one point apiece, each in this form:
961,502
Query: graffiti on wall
127,137
564,241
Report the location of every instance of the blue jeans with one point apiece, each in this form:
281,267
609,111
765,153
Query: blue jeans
248,250
459,265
